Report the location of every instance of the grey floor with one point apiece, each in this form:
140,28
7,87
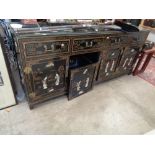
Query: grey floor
125,105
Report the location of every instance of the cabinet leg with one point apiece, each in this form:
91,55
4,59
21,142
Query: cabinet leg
31,106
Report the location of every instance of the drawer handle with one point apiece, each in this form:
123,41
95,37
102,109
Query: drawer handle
62,45
52,48
89,44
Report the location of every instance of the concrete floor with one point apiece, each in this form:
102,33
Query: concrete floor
125,105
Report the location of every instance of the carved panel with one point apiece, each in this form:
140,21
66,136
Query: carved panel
81,80
113,53
109,63
46,77
128,58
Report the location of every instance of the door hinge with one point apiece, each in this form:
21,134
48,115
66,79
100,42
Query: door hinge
32,95
27,70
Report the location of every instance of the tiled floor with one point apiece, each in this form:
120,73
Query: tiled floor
125,105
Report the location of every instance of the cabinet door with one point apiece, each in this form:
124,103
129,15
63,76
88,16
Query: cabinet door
81,80
128,58
45,77
108,66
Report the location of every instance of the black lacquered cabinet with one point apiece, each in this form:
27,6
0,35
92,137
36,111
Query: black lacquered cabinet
55,63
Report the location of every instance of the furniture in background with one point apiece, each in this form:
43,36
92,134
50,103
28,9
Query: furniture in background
148,24
143,59
7,96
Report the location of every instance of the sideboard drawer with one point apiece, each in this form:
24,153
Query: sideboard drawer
88,43
113,53
46,47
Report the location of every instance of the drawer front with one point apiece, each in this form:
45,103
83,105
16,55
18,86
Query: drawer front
81,80
92,43
46,47
131,50
138,37
117,41
113,54
45,77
